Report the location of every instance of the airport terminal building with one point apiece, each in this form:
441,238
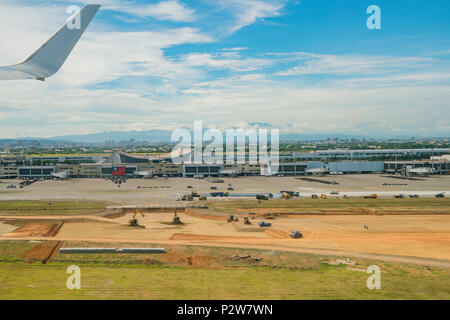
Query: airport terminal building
121,163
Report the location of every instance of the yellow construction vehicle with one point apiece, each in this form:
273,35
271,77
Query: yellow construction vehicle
231,218
176,219
134,222
324,196
286,195
372,196
195,194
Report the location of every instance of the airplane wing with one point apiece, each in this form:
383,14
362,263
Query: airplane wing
49,58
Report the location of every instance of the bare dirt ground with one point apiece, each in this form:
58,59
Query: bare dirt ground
397,237
278,234
205,215
45,229
6,228
184,236
42,251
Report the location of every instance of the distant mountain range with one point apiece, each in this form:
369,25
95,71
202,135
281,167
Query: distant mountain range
158,136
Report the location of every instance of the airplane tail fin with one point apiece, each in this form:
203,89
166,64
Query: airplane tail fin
50,57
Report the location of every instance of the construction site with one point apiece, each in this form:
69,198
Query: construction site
245,224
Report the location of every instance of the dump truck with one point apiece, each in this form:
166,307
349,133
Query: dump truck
269,216
263,224
262,197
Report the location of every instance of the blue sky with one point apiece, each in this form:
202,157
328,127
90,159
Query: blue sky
309,66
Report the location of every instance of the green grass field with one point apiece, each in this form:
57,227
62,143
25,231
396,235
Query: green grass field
49,208
441,205
37,281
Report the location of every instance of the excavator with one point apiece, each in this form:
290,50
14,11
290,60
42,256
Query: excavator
135,222
176,218
232,218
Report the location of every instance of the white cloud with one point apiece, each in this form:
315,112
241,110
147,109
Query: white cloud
170,10
350,64
225,60
405,79
108,56
248,12
324,109
44,111
24,29
166,10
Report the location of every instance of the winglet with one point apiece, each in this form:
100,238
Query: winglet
50,57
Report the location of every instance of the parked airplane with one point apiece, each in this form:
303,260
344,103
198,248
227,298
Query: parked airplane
49,58
60,175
